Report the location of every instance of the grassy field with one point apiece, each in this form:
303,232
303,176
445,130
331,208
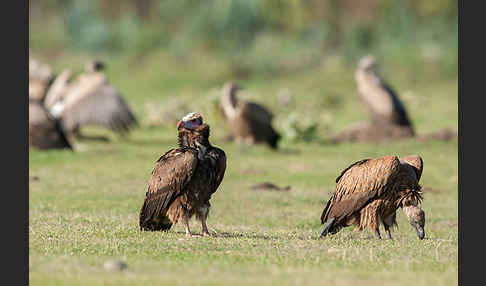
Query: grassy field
83,205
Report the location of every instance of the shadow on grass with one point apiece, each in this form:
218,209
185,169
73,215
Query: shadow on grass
230,235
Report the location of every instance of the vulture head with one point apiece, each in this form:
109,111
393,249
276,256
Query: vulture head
367,63
192,131
410,204
94,66
416,218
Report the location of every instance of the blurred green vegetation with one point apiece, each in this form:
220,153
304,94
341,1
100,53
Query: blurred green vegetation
252,36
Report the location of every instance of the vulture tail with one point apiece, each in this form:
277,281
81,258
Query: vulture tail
327,226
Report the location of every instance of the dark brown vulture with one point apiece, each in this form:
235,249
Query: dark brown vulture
250,122
369,192
379,99
89,100
45,132
184,179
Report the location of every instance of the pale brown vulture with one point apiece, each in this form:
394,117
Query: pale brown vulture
184,179
45,132
379,99
369,192
249,122
88,100
40,77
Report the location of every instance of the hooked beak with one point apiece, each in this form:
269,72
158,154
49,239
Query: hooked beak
420,231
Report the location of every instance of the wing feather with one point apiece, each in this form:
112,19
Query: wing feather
170,176
358,184
220,166
102,107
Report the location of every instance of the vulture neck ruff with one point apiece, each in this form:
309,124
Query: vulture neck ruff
194,138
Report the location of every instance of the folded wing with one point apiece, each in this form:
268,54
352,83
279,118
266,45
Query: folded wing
359,184
170,176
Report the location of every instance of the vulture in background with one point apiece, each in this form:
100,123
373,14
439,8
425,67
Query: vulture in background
88,100
389,118
184,179
250,122
379,99
45,132
40,77
369,192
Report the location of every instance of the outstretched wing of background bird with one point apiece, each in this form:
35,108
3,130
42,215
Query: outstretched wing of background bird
358,185
170,176
102,106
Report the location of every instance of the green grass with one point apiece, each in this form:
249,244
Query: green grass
83,208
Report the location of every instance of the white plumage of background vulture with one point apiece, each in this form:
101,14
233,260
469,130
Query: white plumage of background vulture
369,192
88,100
249,122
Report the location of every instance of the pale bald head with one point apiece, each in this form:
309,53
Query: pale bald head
94,66
190,121
416,217
367,62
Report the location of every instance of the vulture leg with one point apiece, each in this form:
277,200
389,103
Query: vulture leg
377,232
388,233
202,215
388,223
185,222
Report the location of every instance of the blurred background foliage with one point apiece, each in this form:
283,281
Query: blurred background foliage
165,55
268,36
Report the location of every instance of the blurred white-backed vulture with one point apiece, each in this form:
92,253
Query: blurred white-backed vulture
40,77
379,99
249,122
45,132
88,100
